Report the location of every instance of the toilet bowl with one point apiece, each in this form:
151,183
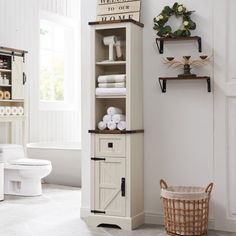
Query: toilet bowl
22,175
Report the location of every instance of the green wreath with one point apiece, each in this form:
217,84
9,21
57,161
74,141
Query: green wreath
177,10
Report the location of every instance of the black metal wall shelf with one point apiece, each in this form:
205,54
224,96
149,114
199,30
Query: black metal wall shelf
160,42
162,81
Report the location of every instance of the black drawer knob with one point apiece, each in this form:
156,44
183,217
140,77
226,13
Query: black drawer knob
110,145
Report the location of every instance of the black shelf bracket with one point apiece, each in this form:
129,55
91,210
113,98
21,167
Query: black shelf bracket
162,85
208,85
199,44
160,45
163,81
160,42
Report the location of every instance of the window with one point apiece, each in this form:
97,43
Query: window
58,80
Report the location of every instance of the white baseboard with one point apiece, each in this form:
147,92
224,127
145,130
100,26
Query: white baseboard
149,217
158,219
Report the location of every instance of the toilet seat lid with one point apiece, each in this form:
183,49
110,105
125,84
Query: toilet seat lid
30,162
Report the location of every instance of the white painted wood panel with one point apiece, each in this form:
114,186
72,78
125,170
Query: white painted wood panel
225,117
108,176
231,130
18,91
110,145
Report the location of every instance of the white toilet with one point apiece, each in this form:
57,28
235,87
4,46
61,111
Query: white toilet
22,176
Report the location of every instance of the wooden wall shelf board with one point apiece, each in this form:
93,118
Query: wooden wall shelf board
162,81
160,42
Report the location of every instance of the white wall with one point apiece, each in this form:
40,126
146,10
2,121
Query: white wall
61,125
179,124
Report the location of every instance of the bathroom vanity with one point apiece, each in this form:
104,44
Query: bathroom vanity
117,156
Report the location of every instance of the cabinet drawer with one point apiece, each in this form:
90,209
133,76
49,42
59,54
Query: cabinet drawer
110,145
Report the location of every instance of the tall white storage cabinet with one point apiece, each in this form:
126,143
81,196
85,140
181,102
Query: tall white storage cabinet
13,83
117,156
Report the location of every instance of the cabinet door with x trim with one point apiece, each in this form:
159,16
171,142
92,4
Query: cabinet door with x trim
110,186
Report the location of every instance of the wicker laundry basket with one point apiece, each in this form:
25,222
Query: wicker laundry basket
186,209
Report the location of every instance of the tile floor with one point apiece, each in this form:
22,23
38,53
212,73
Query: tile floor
56,213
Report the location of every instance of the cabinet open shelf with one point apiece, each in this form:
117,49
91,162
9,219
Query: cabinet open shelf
11,100
110,63
160,42
11,118
164,79
5,70
5,85
110,97
106,131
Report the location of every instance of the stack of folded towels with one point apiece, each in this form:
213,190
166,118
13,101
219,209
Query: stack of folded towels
114,119
11,111
111,85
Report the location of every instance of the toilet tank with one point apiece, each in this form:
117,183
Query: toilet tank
11,152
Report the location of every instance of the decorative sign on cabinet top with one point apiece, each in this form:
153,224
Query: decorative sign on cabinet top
109,10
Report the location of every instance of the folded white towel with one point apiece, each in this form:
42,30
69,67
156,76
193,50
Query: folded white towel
2,111
111,78
111,125
8,111
107,118
113,110
121,125
110,91
111,85
20,111
118,117
14,111
102,125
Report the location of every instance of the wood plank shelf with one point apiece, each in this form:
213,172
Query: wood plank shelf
110,63
5,70
106,131
110,97
160,42
162,81
5,85
11,100
11,118
117,22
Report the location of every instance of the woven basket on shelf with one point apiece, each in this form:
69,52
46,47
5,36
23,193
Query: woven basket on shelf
186,209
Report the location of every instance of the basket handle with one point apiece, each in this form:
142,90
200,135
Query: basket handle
209,188
163,184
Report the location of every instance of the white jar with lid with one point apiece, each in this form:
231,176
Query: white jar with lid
5,80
